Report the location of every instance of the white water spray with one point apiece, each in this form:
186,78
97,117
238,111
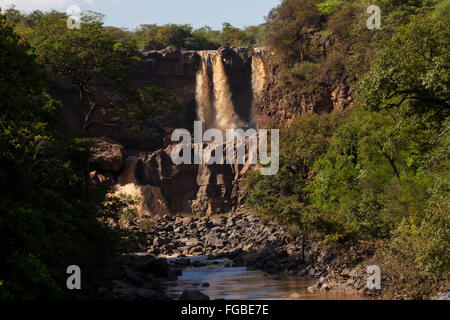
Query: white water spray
226,117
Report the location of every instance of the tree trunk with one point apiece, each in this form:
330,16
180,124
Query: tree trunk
88,105
391,162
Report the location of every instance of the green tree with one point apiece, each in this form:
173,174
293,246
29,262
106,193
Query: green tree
46,224
413,73
284,196
88,57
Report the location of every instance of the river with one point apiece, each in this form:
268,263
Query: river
238,283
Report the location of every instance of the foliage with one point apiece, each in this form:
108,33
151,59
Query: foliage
154,37
417,258
382,175
94,58
319,43
328,7
413,73
48,219
149,36
282,196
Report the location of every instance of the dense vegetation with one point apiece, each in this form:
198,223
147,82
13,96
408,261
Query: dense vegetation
380,175
377,173
156,37
50,212
48,218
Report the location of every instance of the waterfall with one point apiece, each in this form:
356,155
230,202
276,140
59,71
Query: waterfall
258,81
213,95
203,91
226,117
145,199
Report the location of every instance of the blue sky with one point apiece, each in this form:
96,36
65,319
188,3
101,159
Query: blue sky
131,13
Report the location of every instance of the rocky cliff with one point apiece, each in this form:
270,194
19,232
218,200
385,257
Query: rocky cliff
282,100
227,88
160,187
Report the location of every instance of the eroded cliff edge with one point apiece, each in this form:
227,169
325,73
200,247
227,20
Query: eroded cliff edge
256,94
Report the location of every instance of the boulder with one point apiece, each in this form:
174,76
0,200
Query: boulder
107,154
194,295
198,264
137,292
192,242
157,267
99,178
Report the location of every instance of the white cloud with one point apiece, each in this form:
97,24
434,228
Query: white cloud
30,5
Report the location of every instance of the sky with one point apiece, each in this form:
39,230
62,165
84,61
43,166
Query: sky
131,13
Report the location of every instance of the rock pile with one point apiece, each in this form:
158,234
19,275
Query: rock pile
243,238
259,245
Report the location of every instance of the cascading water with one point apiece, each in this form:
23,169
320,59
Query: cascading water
226,117
258,81
213,94
203,91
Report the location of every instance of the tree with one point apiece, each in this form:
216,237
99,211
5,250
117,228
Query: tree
88,57
412,74
284,195
45,221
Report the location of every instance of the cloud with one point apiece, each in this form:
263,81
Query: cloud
30,5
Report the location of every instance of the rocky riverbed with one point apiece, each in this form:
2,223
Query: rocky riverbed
244,239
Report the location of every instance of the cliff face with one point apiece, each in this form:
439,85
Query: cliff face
227,88
171,68
178,71
280,104
282,101
257,93
161,187
277,103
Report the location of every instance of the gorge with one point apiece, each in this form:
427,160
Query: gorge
221,89
88,118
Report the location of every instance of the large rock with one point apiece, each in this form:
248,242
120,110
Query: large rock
188,188
107,154
192,295
157,267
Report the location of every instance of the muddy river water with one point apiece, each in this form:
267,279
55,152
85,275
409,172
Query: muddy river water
219,280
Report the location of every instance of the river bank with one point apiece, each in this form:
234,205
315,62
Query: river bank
245,241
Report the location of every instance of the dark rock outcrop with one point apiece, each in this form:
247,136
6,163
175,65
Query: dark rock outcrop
136,277
190,188
107,155
192,295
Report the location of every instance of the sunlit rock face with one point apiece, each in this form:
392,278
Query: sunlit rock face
199,189
228,88
217,87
